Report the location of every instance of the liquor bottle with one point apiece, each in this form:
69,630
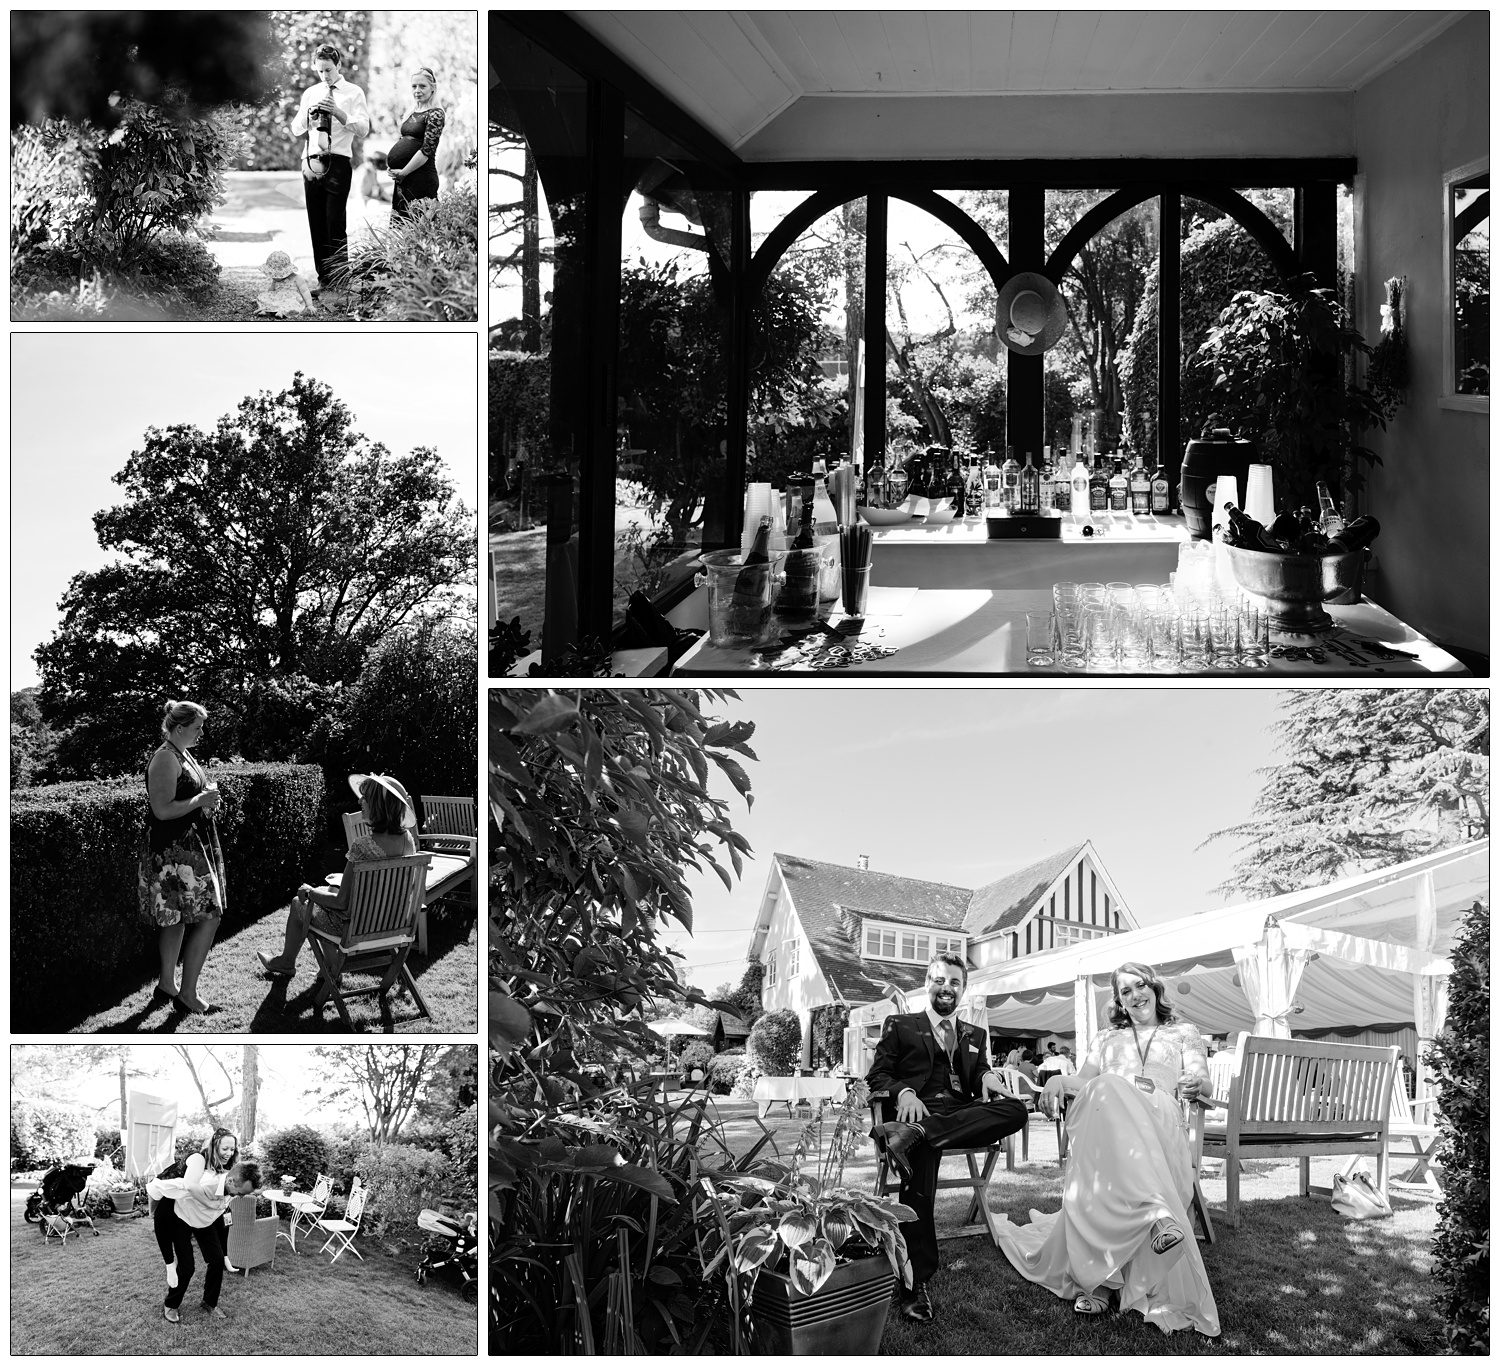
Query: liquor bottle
875,485
1161,491
1047,482
825,518
1119,489
1078,488
798,599
1140,488
1098,487
1031,488
992,497
1010,482
974,489
955,489
1333,521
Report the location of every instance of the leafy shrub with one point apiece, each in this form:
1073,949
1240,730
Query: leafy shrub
75,852
301,1152
775,1044
155,173
424,268
50,166
744,1083
696,1054
462,1131
107,1146
42,1133
724,1071
1460,1058
412,713
170,266
828,1025
402,1180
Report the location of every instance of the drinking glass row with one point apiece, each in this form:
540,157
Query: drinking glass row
1147,628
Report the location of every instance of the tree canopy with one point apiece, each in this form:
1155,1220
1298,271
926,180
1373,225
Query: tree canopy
264,556
1370,778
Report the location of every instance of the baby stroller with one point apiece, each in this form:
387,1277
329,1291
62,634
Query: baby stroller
57,1204
452,1249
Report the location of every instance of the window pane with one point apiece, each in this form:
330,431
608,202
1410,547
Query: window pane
673,375
538,175
1471,286
807,329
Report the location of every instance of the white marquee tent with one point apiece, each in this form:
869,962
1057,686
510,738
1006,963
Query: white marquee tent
1366,951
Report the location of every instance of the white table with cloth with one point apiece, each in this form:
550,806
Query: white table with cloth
789,1091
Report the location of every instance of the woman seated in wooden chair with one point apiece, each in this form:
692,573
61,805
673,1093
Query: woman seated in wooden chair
384,803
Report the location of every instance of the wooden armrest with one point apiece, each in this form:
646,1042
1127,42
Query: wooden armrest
1211,1103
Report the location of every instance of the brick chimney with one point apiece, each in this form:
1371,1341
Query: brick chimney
864,863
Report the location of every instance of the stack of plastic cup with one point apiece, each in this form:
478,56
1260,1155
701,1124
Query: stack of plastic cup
757,505
1259,502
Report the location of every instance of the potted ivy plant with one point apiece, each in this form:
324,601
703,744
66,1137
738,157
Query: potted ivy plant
1282,361
811,1261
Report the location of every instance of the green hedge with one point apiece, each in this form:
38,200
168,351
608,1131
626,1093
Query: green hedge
75,851
42,1133
775,1043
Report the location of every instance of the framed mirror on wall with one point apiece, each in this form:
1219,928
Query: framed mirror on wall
1466,264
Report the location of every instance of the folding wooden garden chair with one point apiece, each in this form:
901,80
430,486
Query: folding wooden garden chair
453,862
383,900
341,1231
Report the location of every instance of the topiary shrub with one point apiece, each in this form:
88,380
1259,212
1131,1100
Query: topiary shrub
300,1152
1460,1059
75,854
724,1071
424,268
402,1180
411,713
775,1044
42,1133
699,1053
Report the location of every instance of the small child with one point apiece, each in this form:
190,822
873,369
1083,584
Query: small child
242,1179
288,292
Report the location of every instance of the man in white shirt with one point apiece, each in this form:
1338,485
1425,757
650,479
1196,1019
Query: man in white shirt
327,164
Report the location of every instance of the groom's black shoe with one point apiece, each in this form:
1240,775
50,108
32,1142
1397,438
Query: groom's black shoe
915,1305
899,1139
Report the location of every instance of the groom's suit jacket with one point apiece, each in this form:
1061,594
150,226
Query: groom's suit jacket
909,1054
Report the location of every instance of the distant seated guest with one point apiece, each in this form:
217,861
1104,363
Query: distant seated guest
1027,1065
384,803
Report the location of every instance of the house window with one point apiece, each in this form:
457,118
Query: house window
946,944
880,943
791,957
1466,342
771,968
908,946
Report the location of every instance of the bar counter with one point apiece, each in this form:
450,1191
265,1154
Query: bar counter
947,600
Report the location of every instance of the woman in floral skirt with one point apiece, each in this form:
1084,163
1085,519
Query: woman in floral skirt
182,866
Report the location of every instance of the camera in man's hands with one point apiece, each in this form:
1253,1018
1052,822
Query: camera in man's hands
320,121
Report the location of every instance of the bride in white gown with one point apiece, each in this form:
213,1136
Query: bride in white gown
1124,1227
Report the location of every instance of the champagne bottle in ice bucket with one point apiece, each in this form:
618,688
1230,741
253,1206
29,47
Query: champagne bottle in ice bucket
798,599
750,599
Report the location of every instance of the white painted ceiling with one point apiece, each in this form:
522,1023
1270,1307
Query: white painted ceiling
737,70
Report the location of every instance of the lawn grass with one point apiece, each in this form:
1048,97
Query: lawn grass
245,1000
1296,1278
301,1304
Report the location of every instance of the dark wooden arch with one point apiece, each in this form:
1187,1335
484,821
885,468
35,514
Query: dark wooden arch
1260,228
805,214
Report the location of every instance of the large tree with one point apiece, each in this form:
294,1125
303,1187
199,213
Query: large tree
1369,778
388,1080
253,566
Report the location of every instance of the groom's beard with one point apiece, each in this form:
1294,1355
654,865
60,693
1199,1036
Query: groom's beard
943,1001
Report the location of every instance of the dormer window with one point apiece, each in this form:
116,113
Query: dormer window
896,944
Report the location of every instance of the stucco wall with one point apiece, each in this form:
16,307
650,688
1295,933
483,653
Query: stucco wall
1427,115
802,991
880,127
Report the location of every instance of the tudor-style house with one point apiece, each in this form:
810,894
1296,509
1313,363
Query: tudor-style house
833,935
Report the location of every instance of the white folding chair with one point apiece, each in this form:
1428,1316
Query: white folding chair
342,1231
310,1207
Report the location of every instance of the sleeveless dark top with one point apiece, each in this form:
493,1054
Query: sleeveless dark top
190,782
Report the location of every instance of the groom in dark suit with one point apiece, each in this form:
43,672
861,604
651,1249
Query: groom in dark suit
937,1069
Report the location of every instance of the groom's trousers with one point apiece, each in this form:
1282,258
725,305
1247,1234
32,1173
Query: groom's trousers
951,1123
328,217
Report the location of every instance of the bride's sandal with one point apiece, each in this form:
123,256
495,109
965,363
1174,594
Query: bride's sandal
1091,1304
1165,1235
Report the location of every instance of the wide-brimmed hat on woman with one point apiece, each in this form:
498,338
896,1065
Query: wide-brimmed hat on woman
1030,313
409,815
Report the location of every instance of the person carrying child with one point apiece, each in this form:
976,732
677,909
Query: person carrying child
192,1208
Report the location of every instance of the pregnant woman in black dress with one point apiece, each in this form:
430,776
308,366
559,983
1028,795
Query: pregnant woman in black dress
413,158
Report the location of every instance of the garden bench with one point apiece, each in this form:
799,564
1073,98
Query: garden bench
1299,1098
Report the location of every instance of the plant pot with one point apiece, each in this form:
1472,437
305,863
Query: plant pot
123,1201
844,1317
1297,586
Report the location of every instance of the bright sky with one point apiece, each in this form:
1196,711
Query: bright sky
286,1073
81,403
964,785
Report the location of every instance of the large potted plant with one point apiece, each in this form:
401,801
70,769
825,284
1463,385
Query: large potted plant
812,1262
1281,361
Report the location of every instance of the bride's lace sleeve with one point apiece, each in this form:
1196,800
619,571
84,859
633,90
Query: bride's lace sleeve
1194,1050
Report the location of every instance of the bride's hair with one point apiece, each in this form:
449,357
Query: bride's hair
1119,1017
